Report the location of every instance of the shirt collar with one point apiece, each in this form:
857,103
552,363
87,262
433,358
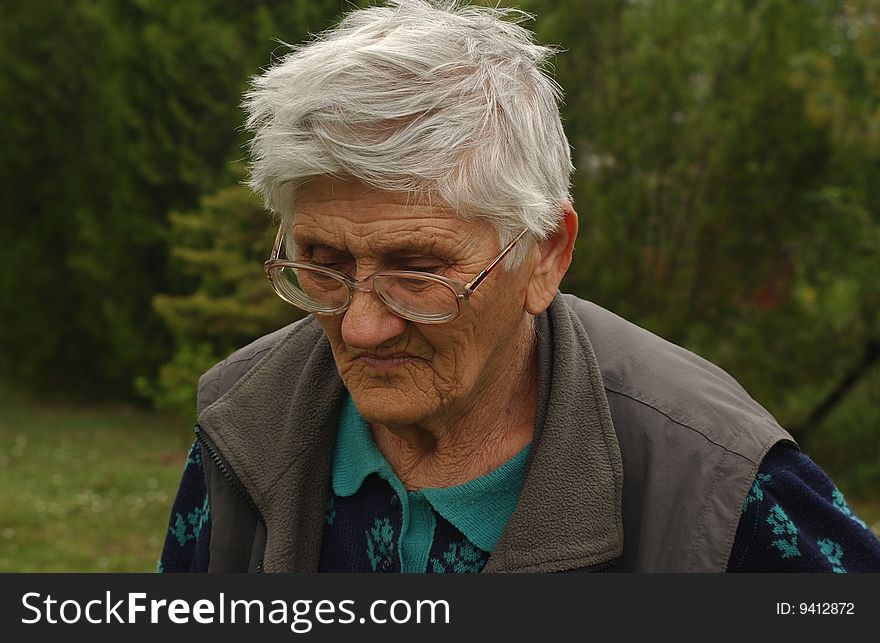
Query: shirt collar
479,508
356,455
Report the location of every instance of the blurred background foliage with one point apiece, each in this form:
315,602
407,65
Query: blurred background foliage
728,184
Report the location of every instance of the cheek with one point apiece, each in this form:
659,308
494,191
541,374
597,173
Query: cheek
333,330
485,344
332,326
458,358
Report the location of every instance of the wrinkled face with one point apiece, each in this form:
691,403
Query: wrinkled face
399,372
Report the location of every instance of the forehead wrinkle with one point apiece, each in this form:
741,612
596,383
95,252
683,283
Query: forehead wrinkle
399,244
302,236
425,239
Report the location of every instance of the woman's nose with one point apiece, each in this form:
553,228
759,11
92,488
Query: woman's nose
368,322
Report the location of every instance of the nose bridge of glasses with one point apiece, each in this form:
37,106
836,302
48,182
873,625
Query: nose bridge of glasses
369,305
362,285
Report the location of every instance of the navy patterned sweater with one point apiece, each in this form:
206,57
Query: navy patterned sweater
794,520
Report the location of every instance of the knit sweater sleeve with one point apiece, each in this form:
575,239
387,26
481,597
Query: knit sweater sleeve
795,519
188,536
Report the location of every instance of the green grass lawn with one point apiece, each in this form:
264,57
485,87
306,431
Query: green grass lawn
90,489
86,489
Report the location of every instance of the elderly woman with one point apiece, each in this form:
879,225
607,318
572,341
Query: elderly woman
443,408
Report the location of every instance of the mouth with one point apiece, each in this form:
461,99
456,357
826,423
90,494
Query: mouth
385,363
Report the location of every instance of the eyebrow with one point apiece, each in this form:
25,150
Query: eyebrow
394,250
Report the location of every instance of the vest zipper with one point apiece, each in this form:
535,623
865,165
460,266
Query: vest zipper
227,473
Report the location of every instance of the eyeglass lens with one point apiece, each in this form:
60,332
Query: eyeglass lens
417,298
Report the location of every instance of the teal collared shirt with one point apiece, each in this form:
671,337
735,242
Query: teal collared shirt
479,508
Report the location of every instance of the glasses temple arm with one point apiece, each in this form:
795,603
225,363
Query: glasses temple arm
276,247
472,286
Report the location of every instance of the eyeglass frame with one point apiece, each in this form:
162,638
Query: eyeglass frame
462,291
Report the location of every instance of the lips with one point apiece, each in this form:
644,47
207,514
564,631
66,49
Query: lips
386,362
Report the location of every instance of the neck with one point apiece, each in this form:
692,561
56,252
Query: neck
489,431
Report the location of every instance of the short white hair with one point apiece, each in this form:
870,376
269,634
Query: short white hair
437,99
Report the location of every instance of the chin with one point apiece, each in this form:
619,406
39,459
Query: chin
389,408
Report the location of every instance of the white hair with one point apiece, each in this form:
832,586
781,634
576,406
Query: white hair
436,99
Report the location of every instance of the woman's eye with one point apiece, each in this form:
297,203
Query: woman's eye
331,263
431,269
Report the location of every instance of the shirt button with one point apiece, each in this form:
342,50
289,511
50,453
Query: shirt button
385,564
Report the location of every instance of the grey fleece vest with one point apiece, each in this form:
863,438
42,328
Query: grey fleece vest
642,456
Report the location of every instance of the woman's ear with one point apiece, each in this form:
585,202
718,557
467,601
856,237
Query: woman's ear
553,261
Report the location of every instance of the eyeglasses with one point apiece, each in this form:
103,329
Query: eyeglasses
420,297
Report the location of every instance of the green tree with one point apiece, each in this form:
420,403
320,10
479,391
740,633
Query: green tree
226,301
727,184
115,114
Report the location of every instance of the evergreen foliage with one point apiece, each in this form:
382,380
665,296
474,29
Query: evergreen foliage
115,114
727,183
224,298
